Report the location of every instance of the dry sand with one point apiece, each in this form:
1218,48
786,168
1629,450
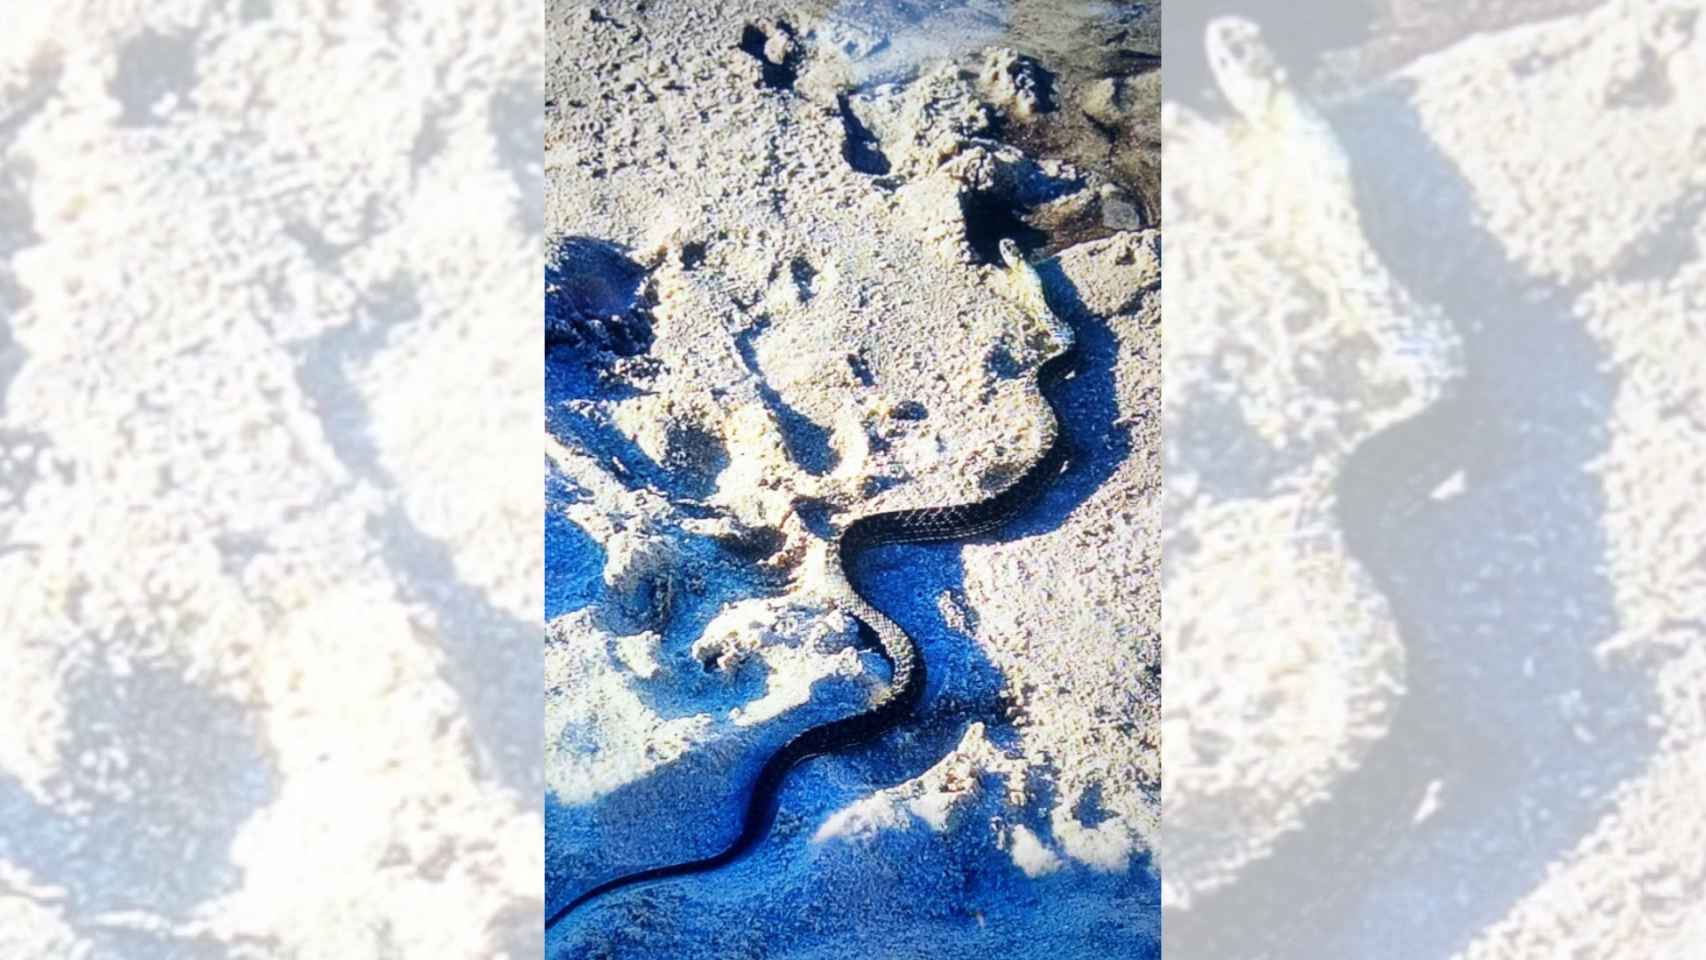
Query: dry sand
775,308
268,524
1508,759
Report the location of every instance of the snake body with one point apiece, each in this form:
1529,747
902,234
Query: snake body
906,686
1297,473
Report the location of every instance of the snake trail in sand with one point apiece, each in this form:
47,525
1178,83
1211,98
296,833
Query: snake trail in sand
918,525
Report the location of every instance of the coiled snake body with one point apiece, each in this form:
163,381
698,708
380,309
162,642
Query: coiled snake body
922,525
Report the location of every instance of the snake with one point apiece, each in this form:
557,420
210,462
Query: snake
933,524
1286,868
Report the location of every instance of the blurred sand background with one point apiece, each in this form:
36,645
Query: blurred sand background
1509,762
269,528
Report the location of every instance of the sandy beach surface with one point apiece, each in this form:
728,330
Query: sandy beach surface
269,529
1433,462
775,304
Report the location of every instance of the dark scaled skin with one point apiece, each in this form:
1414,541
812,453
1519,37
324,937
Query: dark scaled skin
906,686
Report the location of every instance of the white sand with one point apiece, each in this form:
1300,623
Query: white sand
268,322
827,341
1522,776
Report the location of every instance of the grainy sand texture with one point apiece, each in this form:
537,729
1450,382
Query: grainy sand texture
1434,461
269,531
773,304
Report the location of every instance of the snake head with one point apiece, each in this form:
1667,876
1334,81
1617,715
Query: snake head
1249,74
1010,253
